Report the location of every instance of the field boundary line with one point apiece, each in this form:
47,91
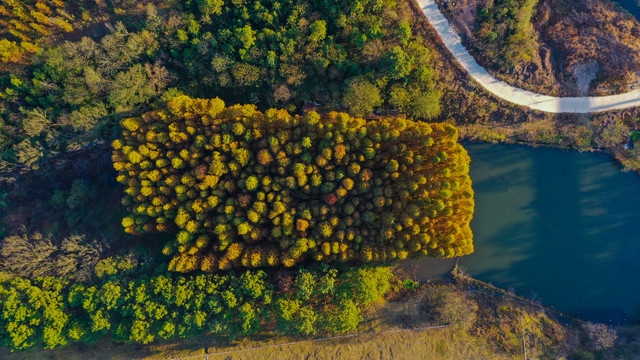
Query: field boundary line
205,356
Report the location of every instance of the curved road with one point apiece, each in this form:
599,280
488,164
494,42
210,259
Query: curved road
516,95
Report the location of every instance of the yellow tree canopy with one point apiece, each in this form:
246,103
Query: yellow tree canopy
246,188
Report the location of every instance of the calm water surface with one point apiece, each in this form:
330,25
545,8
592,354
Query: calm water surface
563,227
559,226
632,6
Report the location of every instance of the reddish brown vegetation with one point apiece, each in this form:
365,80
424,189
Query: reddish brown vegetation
572,37
587,30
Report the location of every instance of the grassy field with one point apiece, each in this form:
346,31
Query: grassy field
428,344
442,343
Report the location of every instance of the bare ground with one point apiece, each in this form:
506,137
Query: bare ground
571,37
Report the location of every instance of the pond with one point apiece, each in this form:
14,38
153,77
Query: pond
562,227
632,6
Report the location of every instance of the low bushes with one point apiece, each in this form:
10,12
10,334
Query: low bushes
51,312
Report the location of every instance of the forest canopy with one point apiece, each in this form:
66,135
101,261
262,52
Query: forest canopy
57,96
252,189
51,312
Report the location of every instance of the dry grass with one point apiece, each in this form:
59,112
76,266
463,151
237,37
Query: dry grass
447,343
426,344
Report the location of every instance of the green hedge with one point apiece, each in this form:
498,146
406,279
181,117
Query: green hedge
51,312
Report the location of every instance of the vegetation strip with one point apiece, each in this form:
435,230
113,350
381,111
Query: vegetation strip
51,312
513,94
313,340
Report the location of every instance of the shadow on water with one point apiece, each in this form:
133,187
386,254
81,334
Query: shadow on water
558,226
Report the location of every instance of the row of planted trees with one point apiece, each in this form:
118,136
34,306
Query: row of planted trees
252,189
51,312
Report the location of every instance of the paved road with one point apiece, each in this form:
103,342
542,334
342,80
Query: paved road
516,95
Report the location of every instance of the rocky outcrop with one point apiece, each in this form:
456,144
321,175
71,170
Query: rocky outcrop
587,31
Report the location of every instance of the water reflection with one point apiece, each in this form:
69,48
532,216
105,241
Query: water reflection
559,224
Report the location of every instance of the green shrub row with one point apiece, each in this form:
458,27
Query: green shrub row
52,312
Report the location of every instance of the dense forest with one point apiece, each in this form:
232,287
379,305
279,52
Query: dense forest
52,312
194,186
71,93
133,210
253,189
506,31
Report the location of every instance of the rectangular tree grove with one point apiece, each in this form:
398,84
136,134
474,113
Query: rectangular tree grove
242,188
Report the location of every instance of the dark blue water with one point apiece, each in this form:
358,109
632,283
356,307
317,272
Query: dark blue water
560,226
631,6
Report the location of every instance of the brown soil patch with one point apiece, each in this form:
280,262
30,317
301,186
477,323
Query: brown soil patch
573,38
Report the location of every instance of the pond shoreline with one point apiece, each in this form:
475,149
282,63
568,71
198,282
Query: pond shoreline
553,225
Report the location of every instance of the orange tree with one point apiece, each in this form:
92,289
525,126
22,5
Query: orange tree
245,188
24,23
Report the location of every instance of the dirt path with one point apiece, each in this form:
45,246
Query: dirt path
579,105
